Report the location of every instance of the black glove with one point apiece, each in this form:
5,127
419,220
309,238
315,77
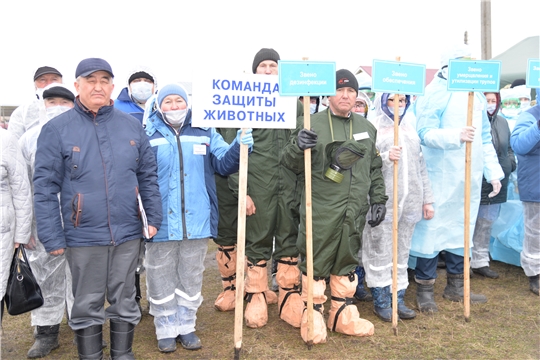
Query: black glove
307,139
378,211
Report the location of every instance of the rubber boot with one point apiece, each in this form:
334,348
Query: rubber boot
319,327
1,317
89,343
46,341
256,313
290,302
425,299
403,311
121,340
454,290
343,316
534,284
226,260
361,294
382,303
138,295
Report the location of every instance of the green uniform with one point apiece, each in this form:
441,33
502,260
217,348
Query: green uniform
274,191
337,208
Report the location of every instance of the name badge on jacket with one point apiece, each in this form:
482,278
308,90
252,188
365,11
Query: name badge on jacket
199,149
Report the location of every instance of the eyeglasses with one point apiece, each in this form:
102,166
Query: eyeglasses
511,104
360,105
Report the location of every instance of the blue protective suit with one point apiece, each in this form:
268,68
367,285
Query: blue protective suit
440,117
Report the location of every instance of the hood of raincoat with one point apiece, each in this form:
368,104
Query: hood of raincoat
382,108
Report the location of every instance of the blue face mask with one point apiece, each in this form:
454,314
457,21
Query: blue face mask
312,108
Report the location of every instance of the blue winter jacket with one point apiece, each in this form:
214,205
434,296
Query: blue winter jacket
125,103
98,163
186,167
525,141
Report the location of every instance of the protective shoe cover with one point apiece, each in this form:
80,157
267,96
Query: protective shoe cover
121,340
256,313
226,260
89,343
382,303
403,311
46,341
361,294
424,296
319,327
290,303
534,284
343,316
454,290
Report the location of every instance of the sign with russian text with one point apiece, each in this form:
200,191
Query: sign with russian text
241,101
398,78
314,78
474,75
533,73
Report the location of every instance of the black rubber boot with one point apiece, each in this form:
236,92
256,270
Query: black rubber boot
89,343
46,341
382,303
121,340
1,316
534,284
454,290
425,299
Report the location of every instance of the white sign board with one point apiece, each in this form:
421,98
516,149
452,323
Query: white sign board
241,101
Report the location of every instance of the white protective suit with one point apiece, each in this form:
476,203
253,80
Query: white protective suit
15,203
413,192
52,272
440,117
26,117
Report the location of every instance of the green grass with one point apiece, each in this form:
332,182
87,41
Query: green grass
507,327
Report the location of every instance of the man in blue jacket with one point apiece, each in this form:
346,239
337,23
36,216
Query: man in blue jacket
98,159
525,141
141,85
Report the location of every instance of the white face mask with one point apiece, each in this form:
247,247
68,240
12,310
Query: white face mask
176,117
39,93
525,105
491,108
511,113
141,91
54,111
361,113
401,110
312,108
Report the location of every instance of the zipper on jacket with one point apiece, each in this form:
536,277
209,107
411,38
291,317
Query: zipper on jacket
182,200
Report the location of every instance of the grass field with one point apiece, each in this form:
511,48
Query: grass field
507,327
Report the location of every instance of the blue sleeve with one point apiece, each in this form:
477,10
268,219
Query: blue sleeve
225,157
526,134
48,179
148,182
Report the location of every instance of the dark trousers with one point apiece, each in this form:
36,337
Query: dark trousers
426,269
99,272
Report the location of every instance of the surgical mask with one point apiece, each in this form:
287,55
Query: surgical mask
510,112
175,117
401,110
312,108
361,113
54,111
491,108
525,105
39,93
141,90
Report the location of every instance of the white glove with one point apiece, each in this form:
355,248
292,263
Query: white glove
394,153
467,134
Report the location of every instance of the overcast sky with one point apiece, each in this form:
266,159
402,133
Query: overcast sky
177,38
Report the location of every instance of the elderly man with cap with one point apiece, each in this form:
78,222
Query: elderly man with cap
27,116
141,85
272,210
99,160
346,169
51,271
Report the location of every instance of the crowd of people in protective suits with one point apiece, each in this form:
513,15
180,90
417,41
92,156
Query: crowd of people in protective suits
84,177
